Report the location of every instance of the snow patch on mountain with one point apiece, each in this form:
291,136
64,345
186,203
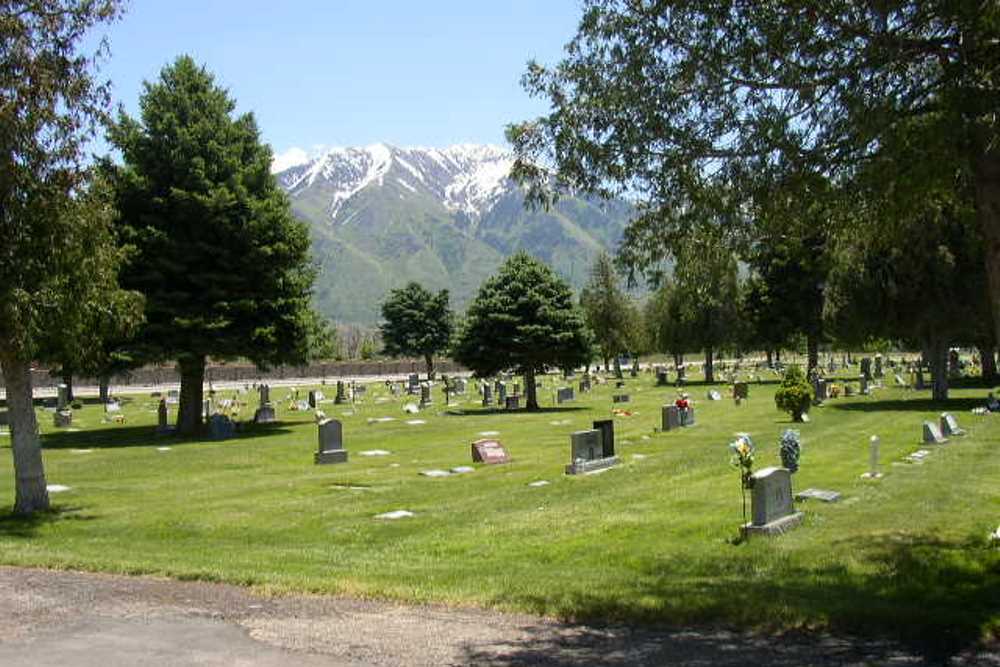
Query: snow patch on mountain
466,178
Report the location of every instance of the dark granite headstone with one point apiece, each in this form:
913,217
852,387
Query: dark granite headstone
331,443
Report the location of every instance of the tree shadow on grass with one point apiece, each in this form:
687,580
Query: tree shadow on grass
482,412
146,436
936,598
25,527
911,405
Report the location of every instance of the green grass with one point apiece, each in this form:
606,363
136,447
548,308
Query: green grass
652,540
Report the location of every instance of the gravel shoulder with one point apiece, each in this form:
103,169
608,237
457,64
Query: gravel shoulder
62,617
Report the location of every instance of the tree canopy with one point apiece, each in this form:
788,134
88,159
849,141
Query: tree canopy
417,323
609,312
58,259
223,263
523,319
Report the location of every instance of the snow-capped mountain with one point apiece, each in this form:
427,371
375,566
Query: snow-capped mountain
381,216
465,178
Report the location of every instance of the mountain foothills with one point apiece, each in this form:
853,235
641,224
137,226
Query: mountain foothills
447,218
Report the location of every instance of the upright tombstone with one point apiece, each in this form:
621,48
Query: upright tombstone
662,378
425,395
487,395
585,384
221,427
681,375
949,425
62,397
489,452
878,366
460,385
587,453
933,435
741,391
163,426
607,429
331,443
265,413
512,402
863,382
820,389
773,511
564,394
687,416
413,384
501,394
341,396
671,417
206,408
714,395
866,369
873,459
634,372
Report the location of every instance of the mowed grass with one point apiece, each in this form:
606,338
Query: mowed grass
653,540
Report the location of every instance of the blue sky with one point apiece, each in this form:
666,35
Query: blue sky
347,72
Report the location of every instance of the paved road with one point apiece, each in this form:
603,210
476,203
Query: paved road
97,620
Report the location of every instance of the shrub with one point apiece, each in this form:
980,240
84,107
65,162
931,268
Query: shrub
795,395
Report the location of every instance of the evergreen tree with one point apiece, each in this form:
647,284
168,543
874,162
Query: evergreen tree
523,319
417,323
58,259
609,312
221,260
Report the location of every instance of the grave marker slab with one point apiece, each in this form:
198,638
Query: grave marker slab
607,430
671,417
564,394
489,451
221,427
620,398
588,453
825,495
933,435
949,425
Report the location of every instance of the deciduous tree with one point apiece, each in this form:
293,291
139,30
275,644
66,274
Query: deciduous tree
417,323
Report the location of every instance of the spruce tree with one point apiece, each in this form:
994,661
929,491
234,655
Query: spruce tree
222,262
523,319
417,323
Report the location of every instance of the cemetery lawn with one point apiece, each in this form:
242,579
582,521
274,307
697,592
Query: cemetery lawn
653,540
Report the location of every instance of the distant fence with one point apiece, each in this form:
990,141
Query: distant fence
157,375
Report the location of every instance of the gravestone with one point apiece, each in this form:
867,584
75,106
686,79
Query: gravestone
173,397
863,382
713,395
489,451
487,395
359,390
206,408
512,402
425,395
681,375
671,417
933,435
62,418
607,429
949,425
163,426
773,511
413,384
819,389
873,457
825,495
585,384
331,443
866,369
221,427
265,413
587,453
341,396
741,391
662,378
620,398
564,394
62,397
460,385
878,366
501,393
634,372
687,416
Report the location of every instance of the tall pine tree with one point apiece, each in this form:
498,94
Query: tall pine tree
222,261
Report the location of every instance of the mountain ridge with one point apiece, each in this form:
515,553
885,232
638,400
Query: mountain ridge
384,215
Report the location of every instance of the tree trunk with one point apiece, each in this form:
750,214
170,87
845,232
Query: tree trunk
812,344
709,365
429,360
607,364
777,355
31,494
530,391
987,354
618,367
189,418
939,369
678,359
770,359
68,381
104,381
